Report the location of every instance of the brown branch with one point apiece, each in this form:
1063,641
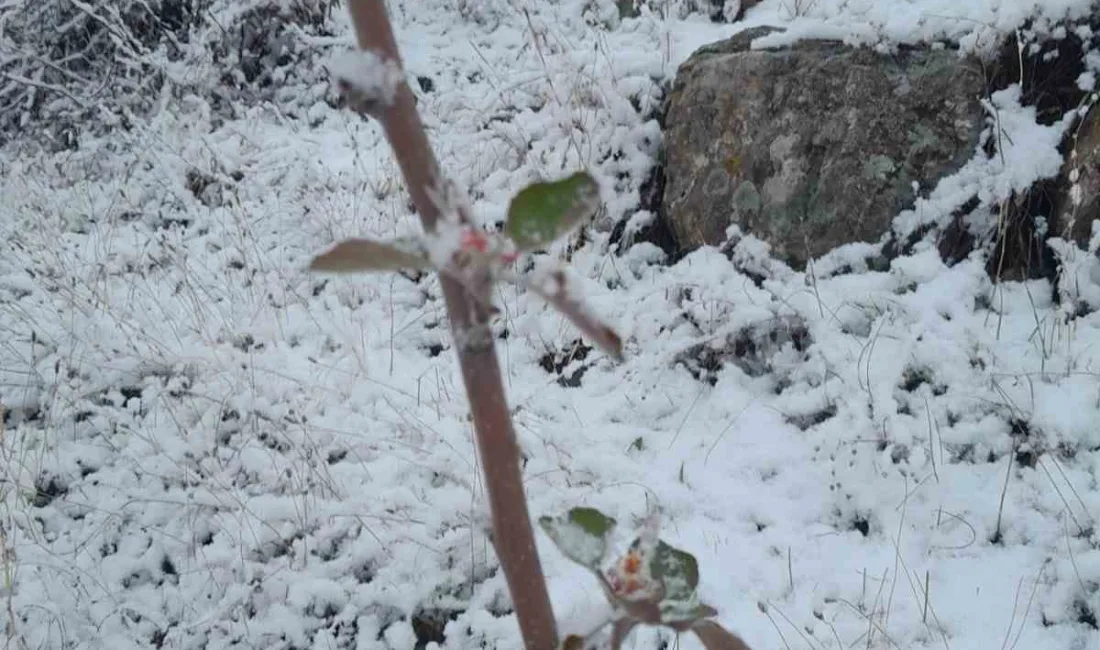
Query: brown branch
513,537
715,637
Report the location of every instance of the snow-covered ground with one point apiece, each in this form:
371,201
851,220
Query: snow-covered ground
207,447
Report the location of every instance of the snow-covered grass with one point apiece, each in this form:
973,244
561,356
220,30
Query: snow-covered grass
206,447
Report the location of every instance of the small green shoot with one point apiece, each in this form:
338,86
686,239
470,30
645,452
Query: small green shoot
539,214
653,583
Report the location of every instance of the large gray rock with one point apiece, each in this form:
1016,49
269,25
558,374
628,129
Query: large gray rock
811,147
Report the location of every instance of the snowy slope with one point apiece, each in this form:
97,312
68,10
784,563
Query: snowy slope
207,447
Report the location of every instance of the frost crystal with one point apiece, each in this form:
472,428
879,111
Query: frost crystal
367,75
444,242
449,229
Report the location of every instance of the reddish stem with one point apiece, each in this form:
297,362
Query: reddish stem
513,536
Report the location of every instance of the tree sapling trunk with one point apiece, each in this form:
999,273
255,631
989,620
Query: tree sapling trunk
467,307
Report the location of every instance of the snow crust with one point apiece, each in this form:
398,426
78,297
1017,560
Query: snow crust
368,75
207,447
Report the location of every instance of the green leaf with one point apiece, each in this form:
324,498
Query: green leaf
581,535
352,255
677,570
592,521
542,212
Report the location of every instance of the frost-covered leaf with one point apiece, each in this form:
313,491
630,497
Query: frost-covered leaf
715,637
581,535
353,255
677,570
684,611
553,289
660,577
542,212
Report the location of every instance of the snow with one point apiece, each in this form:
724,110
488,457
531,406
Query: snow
975,25
368,75
1027,152
208,447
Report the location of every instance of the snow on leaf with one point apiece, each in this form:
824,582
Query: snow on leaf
354,255
656,573
684,611
542,212
677,570
581,535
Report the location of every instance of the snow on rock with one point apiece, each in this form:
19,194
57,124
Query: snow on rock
1026,152
206,447
975,25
